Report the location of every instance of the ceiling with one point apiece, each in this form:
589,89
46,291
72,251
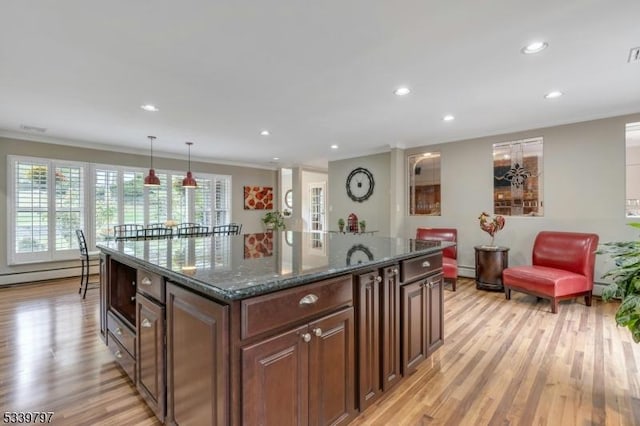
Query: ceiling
314,73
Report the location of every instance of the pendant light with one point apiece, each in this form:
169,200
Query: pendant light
151,179
189,181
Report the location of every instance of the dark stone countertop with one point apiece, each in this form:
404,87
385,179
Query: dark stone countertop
241,266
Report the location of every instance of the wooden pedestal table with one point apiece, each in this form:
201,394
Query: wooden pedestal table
490,262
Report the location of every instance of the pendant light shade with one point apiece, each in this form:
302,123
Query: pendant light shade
151,179
189,181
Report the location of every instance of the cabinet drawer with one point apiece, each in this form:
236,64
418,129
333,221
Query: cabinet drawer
420,266
151,284
268,312
120,332
124,358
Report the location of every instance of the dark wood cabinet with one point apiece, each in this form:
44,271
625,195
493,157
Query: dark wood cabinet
122,291
369,347
104,289
422,320
303,376
197,359
150,354
435,313
390,327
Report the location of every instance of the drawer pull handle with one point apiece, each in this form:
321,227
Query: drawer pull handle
394,271
306,337
378,279
119,331
118,354
146,323
133,283
426,264
309,299
133,298
317,331
146,281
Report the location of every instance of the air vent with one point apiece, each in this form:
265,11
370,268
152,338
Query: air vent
33,128
634,55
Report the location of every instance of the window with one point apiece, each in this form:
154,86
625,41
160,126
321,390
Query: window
46,207
47,200
517,178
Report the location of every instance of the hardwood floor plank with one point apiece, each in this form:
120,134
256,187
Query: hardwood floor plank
503,362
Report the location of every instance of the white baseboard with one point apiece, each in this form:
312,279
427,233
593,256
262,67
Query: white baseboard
27,277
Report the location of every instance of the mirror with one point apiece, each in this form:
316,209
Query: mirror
424,184
517,178
633,170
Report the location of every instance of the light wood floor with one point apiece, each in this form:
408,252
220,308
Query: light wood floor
503,362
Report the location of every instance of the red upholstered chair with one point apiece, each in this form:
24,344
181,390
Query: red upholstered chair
562,268
449,254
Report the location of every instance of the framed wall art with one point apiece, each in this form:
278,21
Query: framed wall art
258,198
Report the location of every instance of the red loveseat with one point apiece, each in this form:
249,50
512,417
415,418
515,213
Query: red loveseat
449,254
562,268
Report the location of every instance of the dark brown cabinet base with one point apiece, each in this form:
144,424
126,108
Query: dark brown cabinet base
303,376
197,359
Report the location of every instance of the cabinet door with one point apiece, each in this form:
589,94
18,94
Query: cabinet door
197,359
332,369
390,327
435,301
368,289
275,380
150,354
414,330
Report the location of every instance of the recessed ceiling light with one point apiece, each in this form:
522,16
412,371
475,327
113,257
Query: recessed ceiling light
554,94
264,133
334,146
276,158
448,117
402,91
149,107
535,47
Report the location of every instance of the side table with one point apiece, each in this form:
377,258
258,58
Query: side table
490,262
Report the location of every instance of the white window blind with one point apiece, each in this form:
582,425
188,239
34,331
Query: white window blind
49,199
46,206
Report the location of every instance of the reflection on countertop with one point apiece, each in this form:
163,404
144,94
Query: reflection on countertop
240,266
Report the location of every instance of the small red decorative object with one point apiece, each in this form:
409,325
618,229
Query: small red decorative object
352,223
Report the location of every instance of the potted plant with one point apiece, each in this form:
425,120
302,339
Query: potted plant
273,221
626,282
341,224
363,225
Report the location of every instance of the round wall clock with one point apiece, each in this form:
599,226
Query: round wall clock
360,184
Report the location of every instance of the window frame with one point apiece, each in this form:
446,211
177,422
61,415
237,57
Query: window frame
51,254
88,219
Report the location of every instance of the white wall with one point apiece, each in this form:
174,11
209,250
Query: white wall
376,209
240,176
584,181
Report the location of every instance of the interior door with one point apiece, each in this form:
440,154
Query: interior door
317,202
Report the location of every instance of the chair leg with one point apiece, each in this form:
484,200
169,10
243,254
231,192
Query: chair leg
454,282
85,276
587,298
554,305
81,274
507,293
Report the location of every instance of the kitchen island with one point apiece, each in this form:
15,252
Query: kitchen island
270,328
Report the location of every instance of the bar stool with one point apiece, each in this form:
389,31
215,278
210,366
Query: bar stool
85,257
